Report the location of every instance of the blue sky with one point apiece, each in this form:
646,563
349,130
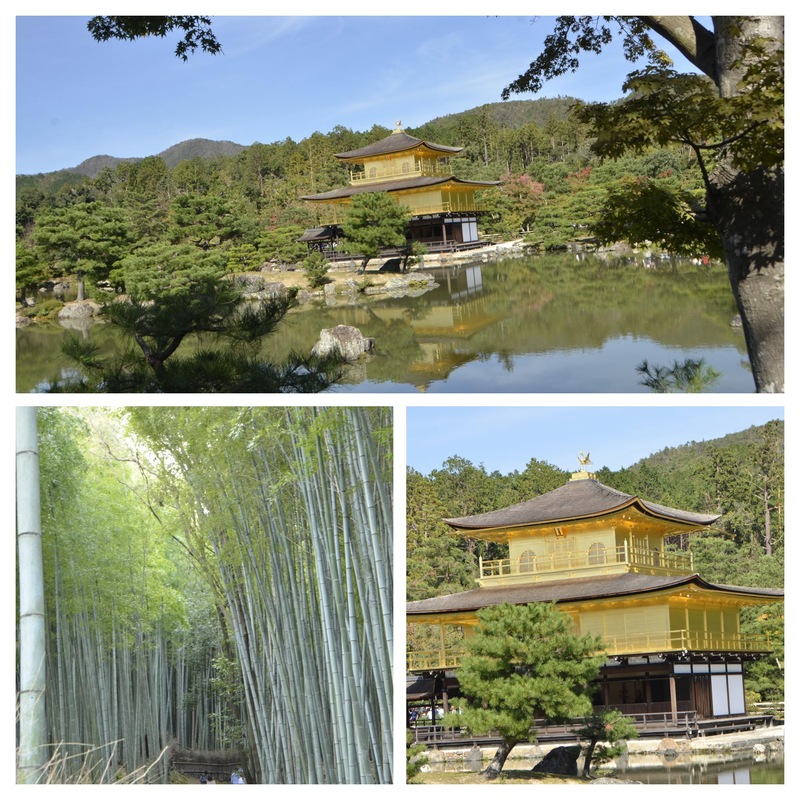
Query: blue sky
278,77
505,438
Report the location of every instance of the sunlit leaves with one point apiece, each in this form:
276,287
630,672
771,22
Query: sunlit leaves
574,36
664,106
645,211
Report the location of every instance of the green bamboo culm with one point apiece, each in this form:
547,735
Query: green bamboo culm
295,506
32,753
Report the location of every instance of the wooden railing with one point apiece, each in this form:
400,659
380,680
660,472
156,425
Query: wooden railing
640,644
396,171
335,213
530,566
682,722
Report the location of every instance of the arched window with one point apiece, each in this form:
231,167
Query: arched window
527,561
406,167
373,172
597,553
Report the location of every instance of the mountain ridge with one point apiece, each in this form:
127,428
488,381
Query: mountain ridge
509,114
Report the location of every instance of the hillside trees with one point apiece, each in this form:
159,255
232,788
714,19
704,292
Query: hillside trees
732,118
438,562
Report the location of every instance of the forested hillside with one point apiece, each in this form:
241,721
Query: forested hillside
245,205
740,476
217,580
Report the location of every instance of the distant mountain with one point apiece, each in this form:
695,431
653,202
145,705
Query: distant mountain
191,148
513,113
508,114
682,455
92,167
199,148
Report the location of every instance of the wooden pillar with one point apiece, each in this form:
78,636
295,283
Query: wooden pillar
673,698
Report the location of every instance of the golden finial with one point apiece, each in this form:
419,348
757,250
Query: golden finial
584,460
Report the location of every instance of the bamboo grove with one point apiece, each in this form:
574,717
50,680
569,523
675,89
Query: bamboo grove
217,580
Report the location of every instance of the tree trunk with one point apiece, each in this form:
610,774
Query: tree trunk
499,760
747,209
81,285
587,761
32,721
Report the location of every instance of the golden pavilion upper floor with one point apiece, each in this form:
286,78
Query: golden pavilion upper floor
605,558
418,175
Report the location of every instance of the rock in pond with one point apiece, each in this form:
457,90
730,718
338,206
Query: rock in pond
344,340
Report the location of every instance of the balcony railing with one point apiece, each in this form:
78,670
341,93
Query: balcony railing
529,565
625,644
335,213
421,167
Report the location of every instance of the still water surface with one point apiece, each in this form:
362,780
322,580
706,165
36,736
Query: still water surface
543,324
700,772
697,770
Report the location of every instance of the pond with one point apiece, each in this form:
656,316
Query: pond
535,324
658,770
700,771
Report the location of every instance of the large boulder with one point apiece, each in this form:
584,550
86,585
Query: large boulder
411,285
560,761
80,309
344,340
256,285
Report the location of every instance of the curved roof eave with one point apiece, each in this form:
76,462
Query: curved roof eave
578,590
418,182
575,500
396,142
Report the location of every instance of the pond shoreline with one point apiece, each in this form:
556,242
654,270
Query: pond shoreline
344,279
762,742
494,322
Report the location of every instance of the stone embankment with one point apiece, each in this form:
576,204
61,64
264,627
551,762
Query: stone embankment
762,743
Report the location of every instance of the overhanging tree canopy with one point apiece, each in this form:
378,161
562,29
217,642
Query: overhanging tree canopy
731,116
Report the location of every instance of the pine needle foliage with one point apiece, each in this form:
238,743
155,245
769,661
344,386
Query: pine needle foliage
523,663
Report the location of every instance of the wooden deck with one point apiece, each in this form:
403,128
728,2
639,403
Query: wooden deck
220,771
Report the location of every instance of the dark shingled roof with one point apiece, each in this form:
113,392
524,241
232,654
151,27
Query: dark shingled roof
395,143
577,499
319,234
419,182
573,590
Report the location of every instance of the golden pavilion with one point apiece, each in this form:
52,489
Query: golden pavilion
675,648
417,174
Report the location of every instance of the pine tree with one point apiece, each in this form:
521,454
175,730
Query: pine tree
374,221
523,663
